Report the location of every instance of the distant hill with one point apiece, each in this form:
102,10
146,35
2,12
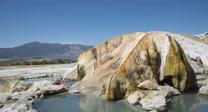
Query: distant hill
43,50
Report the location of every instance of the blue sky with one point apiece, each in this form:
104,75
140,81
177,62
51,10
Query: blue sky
94,21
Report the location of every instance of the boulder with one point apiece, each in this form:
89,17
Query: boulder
148,84
42,84
54,89
203,90
46,88
158,99
154,101
199,61
71,74
117,66
172,91
197,65
202,82
57,82
135,97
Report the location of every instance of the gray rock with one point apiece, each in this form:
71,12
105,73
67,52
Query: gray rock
148,84
158,99
135,97
198,69
202,76
154,101
172,91
202,82
203,90
4,97
22,108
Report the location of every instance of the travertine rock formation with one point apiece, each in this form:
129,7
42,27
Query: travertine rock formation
203,36
116,67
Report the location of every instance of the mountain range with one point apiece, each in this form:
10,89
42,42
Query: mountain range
43,50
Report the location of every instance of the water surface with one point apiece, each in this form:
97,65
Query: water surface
32,80
82,103
189,103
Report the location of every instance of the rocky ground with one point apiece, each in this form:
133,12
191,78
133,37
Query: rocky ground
18,95
34,71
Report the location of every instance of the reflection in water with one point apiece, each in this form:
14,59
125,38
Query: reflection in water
93,104
189,103
60,103
80,103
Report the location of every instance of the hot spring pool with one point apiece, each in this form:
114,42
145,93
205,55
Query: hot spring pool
82,103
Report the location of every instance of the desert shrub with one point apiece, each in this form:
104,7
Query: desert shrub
26,63
6,88
34,63
20,78
23,87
